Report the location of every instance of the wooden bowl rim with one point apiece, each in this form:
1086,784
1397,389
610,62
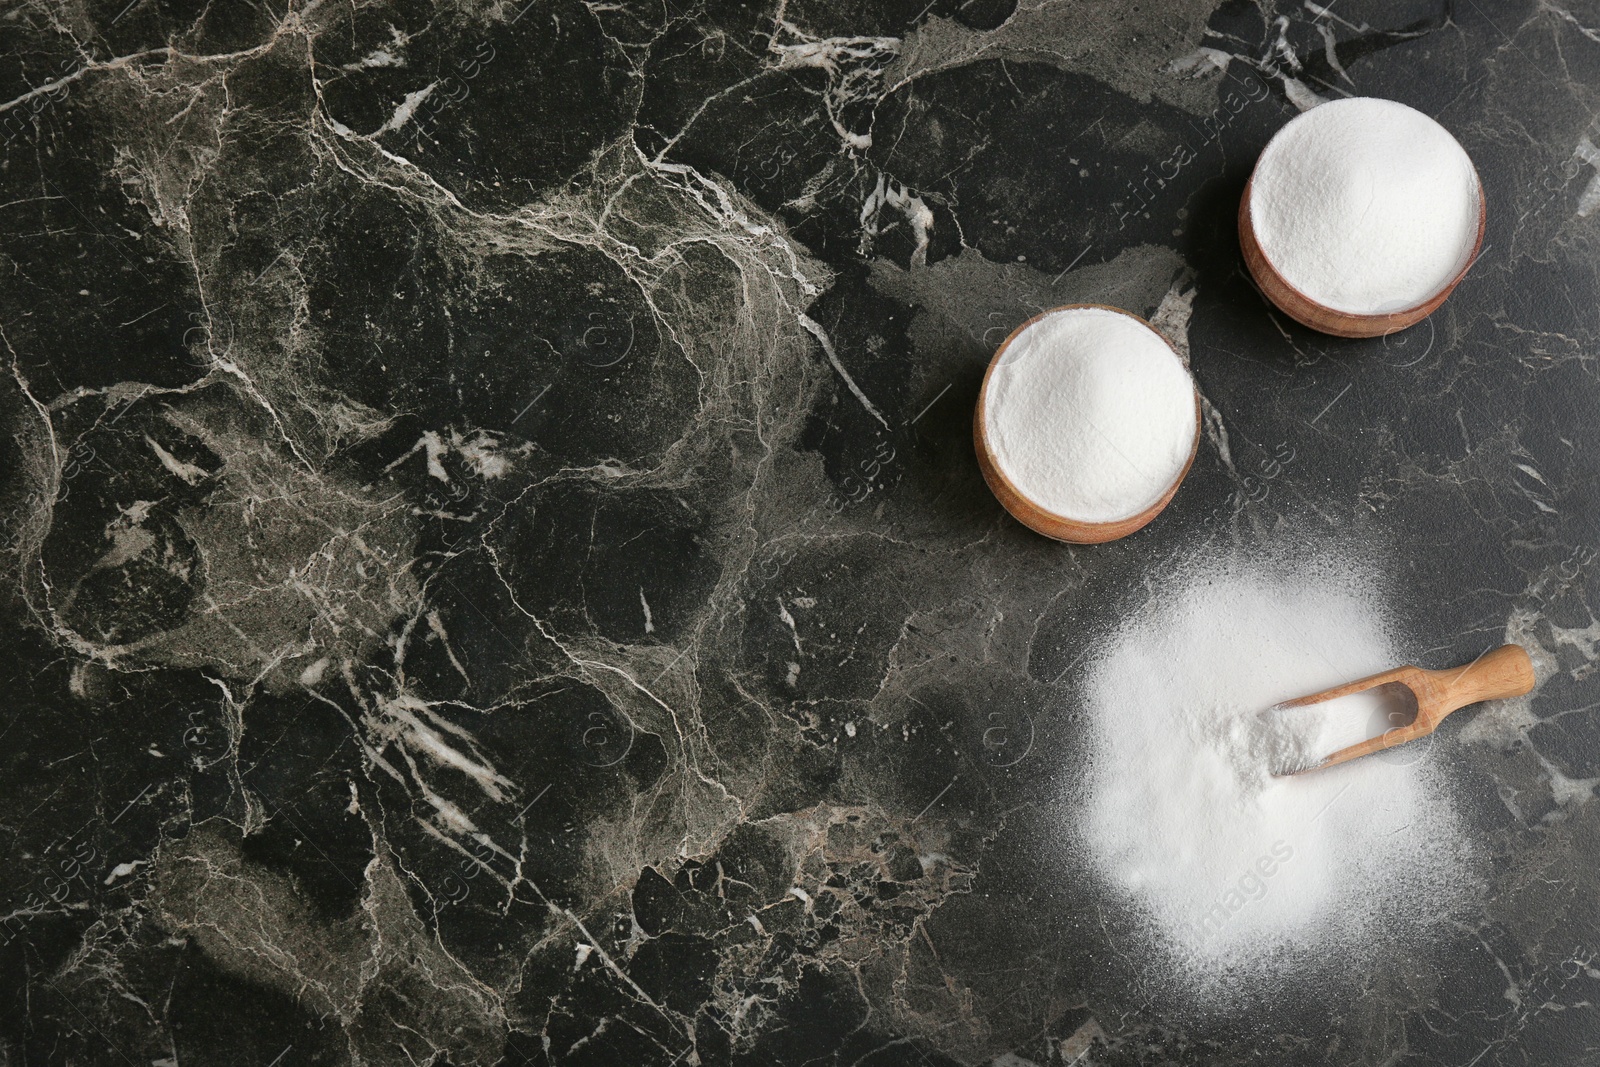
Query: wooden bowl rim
1351,323
1028,512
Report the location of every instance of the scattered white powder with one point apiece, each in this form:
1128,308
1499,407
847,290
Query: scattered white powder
1366,206
1303,736
1235,876
1090,414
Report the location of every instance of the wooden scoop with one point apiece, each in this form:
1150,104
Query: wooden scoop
1503,672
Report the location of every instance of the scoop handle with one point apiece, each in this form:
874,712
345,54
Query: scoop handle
1503,672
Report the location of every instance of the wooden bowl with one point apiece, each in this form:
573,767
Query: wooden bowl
1308,312
1031,514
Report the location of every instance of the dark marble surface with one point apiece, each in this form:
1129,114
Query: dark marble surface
495,570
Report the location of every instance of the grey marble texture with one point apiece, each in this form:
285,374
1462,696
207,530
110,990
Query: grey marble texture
495,570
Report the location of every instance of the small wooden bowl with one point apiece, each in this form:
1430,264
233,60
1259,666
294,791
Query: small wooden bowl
1022,507
1308,312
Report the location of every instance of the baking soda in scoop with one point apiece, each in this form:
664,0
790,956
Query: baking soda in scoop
1296,737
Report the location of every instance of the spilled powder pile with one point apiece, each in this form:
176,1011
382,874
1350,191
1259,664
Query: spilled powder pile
1366,206
1090,414
1236,876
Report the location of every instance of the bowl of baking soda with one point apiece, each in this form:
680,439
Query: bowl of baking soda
1087,422
1360,217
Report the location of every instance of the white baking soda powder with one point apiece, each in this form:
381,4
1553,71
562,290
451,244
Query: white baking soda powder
1235,875
1090,414
1302,736
1366,206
